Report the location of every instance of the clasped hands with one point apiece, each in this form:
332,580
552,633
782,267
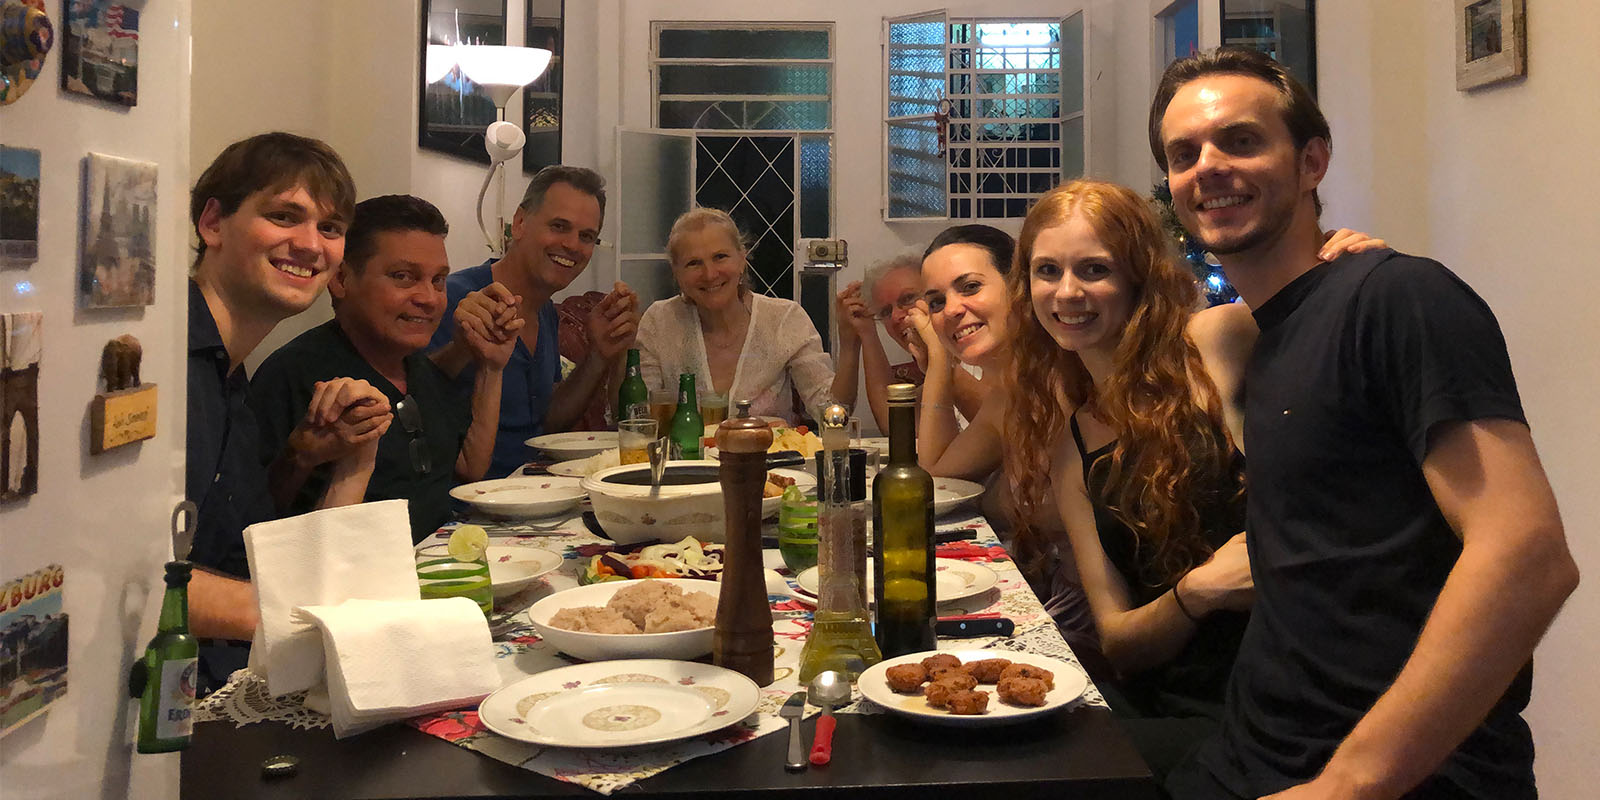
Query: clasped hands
346,418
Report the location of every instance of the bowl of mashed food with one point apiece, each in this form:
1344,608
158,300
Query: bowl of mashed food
647,618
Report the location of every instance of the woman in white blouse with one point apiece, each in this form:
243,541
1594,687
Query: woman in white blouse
739,344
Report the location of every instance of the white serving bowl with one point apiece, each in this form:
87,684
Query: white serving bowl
604,646
640,513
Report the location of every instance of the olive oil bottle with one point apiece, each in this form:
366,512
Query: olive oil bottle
841,631
902,522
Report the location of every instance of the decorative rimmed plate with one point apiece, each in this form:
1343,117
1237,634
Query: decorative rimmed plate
522,496
1070,684
514,568
620,704
952,580
574,444
951,493
877,443
583,467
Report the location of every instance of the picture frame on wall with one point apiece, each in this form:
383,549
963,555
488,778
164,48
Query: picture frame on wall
118,264
100,50
1286,30
1491,42
453,112
541,100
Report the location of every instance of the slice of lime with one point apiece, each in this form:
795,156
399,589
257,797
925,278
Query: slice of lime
468,543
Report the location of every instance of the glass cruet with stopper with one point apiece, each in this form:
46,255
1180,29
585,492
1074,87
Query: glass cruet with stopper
841,631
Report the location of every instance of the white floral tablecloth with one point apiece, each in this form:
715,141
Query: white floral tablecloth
520,652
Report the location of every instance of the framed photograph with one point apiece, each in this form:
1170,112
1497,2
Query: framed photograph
541,100
100,55
453,111
33,646
118,267
21,350
1491,42
19,206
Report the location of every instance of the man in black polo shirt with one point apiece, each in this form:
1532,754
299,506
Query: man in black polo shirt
270,213
388,298
1404,541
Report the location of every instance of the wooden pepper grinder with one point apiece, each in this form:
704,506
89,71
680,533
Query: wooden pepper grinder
743,641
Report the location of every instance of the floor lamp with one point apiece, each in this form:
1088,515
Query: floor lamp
501,71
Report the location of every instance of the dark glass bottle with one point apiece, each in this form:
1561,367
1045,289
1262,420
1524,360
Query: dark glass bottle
902,523
687,429
633,399
164,680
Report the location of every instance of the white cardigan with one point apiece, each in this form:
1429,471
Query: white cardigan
782,350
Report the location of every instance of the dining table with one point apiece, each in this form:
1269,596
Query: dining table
248,744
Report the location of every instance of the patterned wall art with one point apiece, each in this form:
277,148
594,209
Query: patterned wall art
33,646
100,56
118,267
19,206
21,347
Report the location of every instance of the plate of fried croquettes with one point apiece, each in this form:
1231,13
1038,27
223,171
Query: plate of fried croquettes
972,687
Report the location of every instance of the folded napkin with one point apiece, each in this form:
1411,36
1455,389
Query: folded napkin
395,660
322,558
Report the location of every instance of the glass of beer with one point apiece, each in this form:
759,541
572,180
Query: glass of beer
633,437
663,402
713,408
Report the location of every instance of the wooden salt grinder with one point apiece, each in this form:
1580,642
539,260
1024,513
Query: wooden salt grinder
743,640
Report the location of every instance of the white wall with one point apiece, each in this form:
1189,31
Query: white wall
105,517
1499,185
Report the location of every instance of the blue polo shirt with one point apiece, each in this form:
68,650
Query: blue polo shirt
224,475
530,377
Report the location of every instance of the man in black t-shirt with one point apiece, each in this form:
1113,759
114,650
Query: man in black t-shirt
388,299
1404,541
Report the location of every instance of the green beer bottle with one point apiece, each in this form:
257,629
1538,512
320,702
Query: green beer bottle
686,426
902,521
164,680
633,399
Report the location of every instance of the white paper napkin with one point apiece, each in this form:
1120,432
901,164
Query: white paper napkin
396,660
322,558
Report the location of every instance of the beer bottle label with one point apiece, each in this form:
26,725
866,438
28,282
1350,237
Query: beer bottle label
175,704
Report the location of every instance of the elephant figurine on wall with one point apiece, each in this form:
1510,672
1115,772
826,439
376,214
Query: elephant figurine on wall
119,363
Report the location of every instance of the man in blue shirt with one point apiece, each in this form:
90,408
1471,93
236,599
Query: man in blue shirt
270,213
553,236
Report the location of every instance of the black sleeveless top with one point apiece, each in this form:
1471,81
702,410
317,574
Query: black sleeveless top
1193,682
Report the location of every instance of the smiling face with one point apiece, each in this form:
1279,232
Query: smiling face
893,294
555,241
396,300
966,298
1238,181
1081,296
707,265
273,255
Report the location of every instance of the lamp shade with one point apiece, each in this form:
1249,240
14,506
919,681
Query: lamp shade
499,65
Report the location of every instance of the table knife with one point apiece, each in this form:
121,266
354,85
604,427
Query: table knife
793,709
968,627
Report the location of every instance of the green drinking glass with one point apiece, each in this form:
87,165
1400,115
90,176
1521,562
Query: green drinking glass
443,575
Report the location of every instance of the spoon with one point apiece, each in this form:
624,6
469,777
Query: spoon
827,689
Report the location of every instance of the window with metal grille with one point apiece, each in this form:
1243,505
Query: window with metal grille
982,116
759,98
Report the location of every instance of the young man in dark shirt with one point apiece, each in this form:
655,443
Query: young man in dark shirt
1404,541
270,213
388,299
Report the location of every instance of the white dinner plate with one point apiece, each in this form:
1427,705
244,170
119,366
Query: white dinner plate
583,467
574,444
513,568
951,493
952,580
522,496
612,704
1070,684
877,443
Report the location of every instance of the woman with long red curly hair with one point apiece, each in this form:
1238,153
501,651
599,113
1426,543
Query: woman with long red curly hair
1136,397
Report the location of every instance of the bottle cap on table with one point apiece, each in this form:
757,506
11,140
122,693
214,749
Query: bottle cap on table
743,433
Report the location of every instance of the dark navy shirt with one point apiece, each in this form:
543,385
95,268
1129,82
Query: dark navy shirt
1358,360
224,475
529,381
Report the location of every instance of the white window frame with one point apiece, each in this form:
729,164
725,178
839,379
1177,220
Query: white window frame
973,169
656,61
